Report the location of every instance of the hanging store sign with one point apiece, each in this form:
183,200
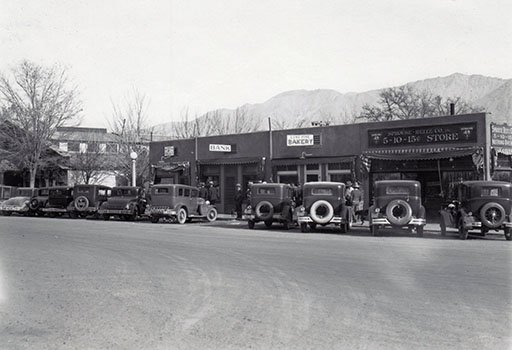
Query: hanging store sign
219,148
300,140
501,137
424,135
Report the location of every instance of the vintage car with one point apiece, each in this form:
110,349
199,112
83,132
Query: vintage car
324,203
39,200
181,203
397,204
87,199
19,203
126,202
7,192
479,205
270,202
59,199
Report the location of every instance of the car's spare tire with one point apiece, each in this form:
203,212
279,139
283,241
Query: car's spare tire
492,215
399,212
321,211
81,203
264,210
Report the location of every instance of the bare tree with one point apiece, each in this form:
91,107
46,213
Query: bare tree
37,100
404,102
129,122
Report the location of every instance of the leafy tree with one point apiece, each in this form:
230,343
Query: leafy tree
404,102
36,101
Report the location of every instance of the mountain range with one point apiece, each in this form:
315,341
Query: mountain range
298,108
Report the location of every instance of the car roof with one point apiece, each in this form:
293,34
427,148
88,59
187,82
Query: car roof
273,184
125,188
397,182
91,186
323,184
486,183
173,185
60,187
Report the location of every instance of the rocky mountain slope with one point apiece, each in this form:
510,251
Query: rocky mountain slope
299,108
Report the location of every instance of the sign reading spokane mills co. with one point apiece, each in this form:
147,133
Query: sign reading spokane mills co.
300,140
501,137
423,135
219,148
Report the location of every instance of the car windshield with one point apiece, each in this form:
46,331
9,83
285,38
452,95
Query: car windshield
43,192
266,190
124,192
82,190
162,190
58,192
322,191
397,190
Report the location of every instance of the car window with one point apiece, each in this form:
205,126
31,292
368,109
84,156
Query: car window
127,192
102,191
161,190
180,192
397,190
194,193
491,192
266,190
80,190
322,191
43,192
187,192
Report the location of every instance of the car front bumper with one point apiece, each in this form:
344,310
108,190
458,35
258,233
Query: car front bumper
308,219
161,212
54,210
385,222
115,211
14,209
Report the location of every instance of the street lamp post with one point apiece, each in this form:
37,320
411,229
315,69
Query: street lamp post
133,156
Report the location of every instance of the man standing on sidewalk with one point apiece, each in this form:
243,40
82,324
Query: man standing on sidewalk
239,200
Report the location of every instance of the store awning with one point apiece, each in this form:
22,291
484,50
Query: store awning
312,160
423,153
503,150
230,161
172,167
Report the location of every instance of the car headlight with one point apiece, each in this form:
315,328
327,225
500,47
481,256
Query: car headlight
470,213
129,206
377,210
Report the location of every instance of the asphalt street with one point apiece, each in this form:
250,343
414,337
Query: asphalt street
86,284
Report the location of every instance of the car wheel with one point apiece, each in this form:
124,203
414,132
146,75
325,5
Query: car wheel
303,227
492,215
375,230
34,204
419,231
321,211
268,223
508,233
211,215
155,219
250,223
182,216
399,212
463,232
264,210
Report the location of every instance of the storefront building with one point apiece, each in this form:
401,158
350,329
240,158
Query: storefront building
438,152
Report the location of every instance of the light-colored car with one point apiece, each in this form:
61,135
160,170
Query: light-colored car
19,204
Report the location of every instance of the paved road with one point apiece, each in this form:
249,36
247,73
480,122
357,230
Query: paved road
83,284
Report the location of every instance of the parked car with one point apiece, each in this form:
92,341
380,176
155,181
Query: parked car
39,200
324,203
7,192
270,203
479,205
19,203
126,202
397,203
87,199
59,199
180,203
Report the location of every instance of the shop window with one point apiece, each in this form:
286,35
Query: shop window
93,147
312,177
312,166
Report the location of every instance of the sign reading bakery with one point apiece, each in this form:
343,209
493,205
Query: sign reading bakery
219,148
423,135
300,140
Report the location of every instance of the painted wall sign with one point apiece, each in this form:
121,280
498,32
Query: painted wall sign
219,148
299,140
501,137
423,135
169,151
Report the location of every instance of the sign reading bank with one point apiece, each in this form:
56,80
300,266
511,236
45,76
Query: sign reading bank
300,140
219,148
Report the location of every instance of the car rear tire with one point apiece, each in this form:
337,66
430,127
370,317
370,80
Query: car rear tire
492,215
211,215
264,215
399,212
318,218
181,217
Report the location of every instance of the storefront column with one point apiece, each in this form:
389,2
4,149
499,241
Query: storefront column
239,174
222,186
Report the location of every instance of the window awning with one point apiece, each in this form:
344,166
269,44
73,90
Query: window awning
172,167
230,161
423,153
312,160
503,150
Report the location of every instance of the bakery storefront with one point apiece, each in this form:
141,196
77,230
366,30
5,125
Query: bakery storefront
326,153
437,152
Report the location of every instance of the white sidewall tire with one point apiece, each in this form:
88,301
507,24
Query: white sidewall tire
264,216
327,217
211,215
404,220
488,223
181,216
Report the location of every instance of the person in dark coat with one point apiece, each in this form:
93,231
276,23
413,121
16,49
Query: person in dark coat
203,191
213,193
239,200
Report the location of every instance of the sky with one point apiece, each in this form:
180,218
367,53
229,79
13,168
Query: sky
193,56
